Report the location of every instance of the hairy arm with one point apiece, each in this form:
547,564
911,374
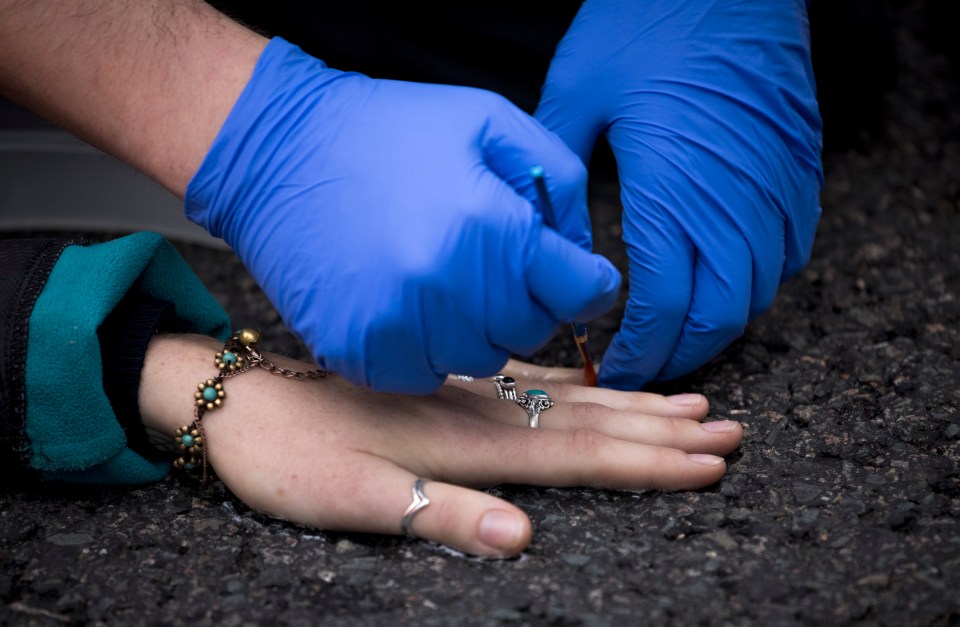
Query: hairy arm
148,81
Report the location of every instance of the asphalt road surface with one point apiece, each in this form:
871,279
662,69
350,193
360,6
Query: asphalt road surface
840,508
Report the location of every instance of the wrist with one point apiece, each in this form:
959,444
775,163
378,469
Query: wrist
273,114
172,367
172,360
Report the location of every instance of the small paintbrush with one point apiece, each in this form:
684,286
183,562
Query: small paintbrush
579,329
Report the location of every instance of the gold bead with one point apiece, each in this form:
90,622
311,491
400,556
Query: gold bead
249,336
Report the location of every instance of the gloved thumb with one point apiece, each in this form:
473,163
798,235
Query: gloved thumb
572,284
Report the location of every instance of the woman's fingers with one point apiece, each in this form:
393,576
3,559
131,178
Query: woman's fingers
684,433
468,447
554,457
566,384
691,406
715,437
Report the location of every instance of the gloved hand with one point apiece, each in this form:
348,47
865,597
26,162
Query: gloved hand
393,224
711,112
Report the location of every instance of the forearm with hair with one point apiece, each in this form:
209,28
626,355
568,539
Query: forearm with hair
148,81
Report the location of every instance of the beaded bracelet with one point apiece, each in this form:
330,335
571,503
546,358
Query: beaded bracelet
239,354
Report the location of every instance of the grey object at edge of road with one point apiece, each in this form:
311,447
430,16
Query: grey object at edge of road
51,180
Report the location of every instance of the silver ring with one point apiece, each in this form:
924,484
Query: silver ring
506,387
464,377
419,501
535,401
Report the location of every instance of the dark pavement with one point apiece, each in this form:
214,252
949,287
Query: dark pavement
840,508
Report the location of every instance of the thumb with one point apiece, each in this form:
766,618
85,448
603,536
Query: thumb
572,284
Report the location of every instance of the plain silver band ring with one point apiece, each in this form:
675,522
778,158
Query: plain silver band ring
419,501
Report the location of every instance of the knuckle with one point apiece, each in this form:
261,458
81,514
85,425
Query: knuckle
570,174
677,428
584,443
588,415
485,102
445,515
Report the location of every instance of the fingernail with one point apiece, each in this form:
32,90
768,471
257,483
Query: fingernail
719,426
501,530
706,460
687,400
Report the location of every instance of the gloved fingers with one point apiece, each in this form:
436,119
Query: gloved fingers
513,143
720,307
527,280
571,283
480,309
746,232
423,371
719,282
661,287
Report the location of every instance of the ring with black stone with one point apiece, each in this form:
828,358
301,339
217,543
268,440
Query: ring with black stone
506,387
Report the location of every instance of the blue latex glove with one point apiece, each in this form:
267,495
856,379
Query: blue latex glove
711,112
393,224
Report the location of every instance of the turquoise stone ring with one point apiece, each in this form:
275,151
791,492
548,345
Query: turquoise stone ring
534,402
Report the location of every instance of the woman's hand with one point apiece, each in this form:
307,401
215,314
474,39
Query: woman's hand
330,455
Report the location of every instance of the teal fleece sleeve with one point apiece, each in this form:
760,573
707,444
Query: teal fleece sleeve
74,435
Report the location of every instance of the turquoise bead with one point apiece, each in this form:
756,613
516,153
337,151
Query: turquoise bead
536,393
229,358
186,440
209,394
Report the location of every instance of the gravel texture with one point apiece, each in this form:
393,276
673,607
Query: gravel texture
840,508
